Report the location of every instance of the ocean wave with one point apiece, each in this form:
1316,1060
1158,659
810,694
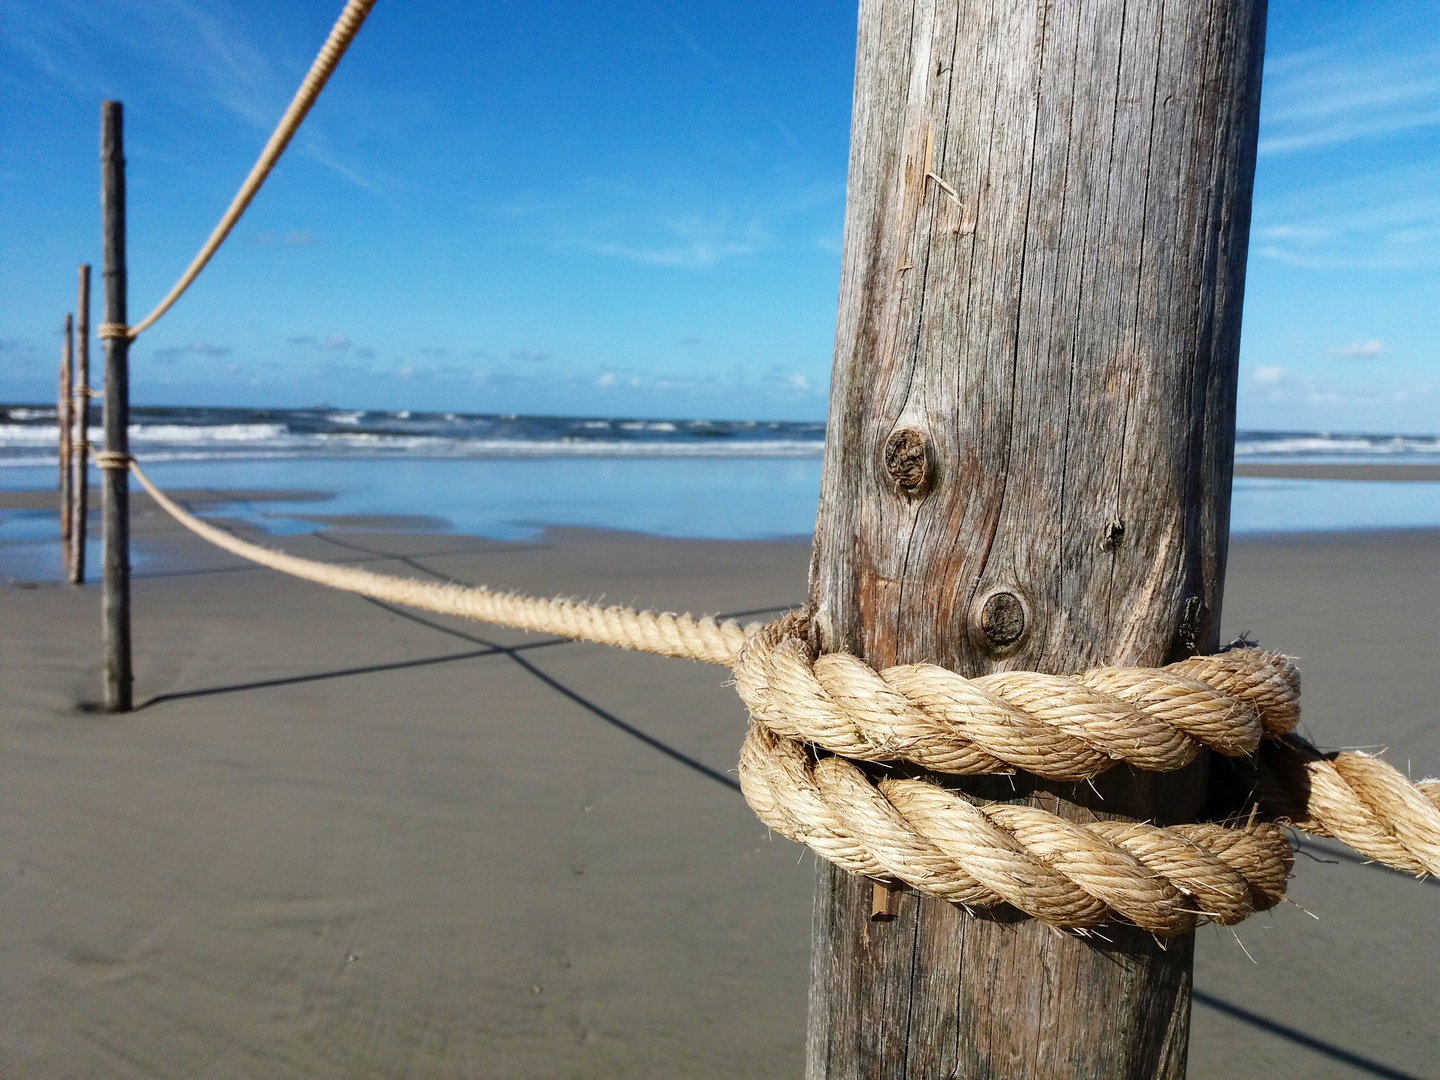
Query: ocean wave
27,436
335,445
1300,444
224,433
45,435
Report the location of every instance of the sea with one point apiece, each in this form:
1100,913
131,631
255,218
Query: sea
508,477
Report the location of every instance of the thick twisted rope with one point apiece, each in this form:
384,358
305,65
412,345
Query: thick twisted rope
815,717
341,34
711,640
1059,728
1069,875
113,460
1355,798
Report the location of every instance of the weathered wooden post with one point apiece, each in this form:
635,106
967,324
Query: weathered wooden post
1029,466
115,602
80,444
65,430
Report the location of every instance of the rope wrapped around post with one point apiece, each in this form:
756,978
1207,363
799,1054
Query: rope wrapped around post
823,726
113,460
815,717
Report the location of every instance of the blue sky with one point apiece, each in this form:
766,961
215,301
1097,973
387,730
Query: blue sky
627,209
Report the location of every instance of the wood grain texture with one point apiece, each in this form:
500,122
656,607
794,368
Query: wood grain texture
1043,267
65,427
80,452
115,483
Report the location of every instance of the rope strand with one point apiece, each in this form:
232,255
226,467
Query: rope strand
715,642
341,34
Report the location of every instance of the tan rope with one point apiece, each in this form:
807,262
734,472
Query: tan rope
113,330
715,642
1243,703
1353,797
113,460
944,844
1059,728
341,34
839,705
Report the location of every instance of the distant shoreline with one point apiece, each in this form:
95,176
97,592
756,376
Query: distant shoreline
46,499
1388,472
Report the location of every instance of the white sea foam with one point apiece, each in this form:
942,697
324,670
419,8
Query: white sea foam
1347,445
237,434
210,433
160,442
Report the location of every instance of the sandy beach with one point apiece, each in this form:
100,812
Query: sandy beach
341,840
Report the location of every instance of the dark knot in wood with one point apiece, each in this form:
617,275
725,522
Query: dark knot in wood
908,461
1113,536
1002,619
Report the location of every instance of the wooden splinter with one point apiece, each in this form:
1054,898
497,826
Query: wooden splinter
884,900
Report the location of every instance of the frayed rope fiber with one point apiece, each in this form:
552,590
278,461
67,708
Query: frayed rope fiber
814,717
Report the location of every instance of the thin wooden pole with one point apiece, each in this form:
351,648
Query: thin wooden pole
65,429
80,445
1028,465
115,483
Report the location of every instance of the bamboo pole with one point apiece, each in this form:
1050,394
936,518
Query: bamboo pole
1028,465
80,444
115,483
65,430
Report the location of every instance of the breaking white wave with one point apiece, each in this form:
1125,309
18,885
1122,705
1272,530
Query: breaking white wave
28,437
1304,444
37,446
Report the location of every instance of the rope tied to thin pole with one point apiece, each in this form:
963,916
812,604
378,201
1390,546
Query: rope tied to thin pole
114,460
109,330
341,35
820,762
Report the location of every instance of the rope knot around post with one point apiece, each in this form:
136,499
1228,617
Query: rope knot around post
834,748
112,460
108,330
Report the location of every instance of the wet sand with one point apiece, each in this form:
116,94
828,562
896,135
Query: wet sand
338,840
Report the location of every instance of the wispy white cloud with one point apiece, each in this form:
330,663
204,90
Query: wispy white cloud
290,238
666,220
693,243
328,343
1279,385
775,381
726,73
1327,96
1359,349
1381,220
211,51
172,353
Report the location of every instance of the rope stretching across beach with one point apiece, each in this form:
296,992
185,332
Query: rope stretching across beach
816,717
